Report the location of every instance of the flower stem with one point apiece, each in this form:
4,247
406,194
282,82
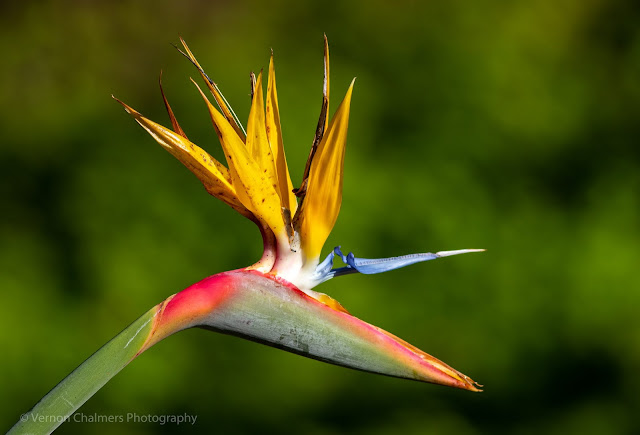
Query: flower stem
65,398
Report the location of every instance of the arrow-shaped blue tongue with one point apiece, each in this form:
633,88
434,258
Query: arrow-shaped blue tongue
369,266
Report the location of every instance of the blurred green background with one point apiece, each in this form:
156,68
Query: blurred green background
511,126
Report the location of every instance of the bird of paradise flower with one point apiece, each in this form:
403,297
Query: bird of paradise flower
272,301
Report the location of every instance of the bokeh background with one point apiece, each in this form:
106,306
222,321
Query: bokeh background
511,126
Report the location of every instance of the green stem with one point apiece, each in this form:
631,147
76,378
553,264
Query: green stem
74,390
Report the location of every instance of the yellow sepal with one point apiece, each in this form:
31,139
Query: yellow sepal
220,100
213,175
329,301
274,135
253,188
323,198
257,143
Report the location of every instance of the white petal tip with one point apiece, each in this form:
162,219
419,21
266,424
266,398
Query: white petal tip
459,251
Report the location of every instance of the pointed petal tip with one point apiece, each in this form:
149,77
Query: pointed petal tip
471,385
199,90
350,91
449,377
457,252
127,108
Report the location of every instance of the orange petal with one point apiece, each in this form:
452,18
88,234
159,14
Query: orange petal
321,128
174,121
325,87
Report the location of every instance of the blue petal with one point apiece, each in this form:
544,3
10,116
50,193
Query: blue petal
326,266
370,266
378,265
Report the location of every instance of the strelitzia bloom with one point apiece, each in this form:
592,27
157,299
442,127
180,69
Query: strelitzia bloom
271,301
